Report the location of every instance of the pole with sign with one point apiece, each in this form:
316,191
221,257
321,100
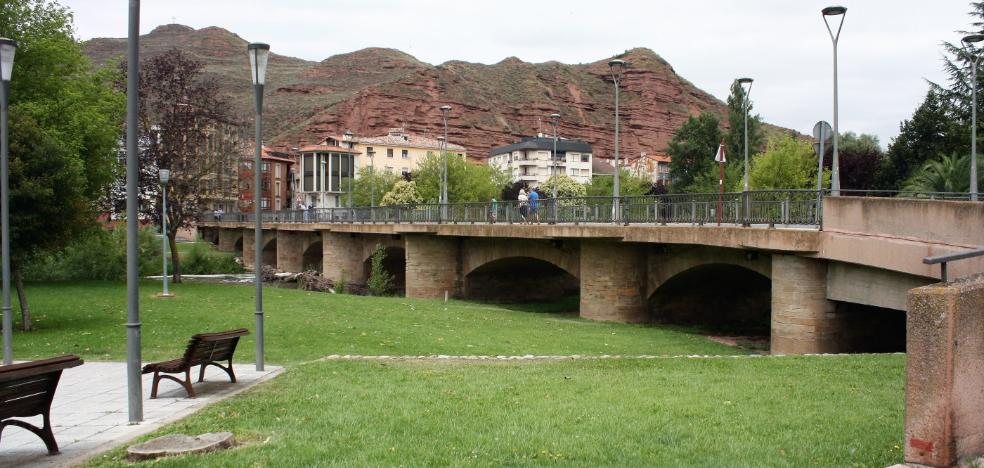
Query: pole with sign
720,158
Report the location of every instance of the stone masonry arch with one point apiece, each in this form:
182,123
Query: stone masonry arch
563,254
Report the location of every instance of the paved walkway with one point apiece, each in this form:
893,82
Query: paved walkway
89,413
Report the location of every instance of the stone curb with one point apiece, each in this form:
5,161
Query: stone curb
573,357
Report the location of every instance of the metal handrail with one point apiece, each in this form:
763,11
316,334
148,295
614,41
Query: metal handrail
943,259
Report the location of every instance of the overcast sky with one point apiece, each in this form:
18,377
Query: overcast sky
888,48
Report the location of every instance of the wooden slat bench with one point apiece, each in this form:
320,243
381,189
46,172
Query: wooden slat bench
27,390
204,349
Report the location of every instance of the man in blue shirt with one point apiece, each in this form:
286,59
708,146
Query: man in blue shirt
534,205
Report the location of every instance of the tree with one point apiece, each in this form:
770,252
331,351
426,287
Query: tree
693,148
787,163
929,133
404,192
859,160
630,185
380,280
186,126
64,127
566,186
948,174
467,182
734,140
368,180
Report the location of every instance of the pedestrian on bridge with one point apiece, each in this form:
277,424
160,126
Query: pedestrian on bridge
534,206
524,206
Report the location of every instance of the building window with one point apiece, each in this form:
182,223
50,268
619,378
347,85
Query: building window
389,169
264,203
389,152
265,167
406,154
277,204
266,185
276,169
585,158
405,171
248,164
278,188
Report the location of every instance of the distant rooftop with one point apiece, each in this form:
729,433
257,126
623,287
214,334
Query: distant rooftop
543,143
398,136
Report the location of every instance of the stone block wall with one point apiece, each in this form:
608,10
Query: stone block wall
803,320
342,257
944,391
433,266
613,281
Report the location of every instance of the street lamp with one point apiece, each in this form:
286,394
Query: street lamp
372,179
134,381
746,91
165,177
445,109
554,118
975,53
7,49
835,165
617,68
258,55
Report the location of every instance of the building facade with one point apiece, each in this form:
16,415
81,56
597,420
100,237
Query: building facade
325,174
655,167
530,160
397,152
277,181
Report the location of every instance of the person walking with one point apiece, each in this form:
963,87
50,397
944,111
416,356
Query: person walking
493,210
523,204
534,206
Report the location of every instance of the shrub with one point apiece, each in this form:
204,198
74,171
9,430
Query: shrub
99,255
380,281
202,260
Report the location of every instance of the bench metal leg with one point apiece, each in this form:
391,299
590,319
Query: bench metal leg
228,370
43,432
186,383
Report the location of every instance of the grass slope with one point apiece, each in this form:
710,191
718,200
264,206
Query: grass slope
787,411
87,318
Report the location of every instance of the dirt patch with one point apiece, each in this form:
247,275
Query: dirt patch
757,344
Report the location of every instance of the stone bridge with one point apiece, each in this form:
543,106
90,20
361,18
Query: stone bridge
837,288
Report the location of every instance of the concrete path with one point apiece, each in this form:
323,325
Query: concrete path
89,413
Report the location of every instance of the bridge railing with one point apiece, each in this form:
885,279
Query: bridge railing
760,207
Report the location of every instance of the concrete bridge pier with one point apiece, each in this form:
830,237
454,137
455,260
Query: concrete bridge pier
613,281
228,239
433,266
269,241
803,319
342,257
290,250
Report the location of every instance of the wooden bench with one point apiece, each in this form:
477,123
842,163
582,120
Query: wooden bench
27,390
204,349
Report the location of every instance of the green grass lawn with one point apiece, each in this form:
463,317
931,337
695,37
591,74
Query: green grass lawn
741,411
86,318
786,411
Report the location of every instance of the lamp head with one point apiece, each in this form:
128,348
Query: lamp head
259,53
555,117
833,11
440,138
165,175
617,66
445,109
7,49
745,81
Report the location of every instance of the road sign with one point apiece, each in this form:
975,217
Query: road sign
822,130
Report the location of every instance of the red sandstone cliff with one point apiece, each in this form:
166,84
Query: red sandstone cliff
370,90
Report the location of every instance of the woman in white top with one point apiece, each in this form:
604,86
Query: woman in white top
524,204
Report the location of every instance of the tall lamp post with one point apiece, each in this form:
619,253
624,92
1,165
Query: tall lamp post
165,177
445,109
746,89
7,49
975,55
617,68
134,382
554,119
840,12
258,55
372,179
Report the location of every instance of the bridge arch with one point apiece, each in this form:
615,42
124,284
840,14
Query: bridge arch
520,279
313,256
718,297
270,252
564,255
238,246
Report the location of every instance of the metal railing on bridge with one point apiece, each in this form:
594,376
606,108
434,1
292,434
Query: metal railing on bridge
771,207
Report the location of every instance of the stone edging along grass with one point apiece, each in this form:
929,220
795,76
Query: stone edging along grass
573,357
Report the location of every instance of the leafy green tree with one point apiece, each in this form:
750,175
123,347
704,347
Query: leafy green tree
64,128
467,182
948,174
380,281
693,148
787,163
734,139
368,179
566,186
404,192
859,159
930,132
629,185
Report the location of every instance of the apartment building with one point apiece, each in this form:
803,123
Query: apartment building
277,181
531,160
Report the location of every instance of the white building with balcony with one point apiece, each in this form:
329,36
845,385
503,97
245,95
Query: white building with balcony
530,160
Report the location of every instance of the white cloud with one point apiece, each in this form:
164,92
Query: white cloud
887,49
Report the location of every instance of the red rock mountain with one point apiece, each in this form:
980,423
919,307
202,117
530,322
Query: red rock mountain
373,89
